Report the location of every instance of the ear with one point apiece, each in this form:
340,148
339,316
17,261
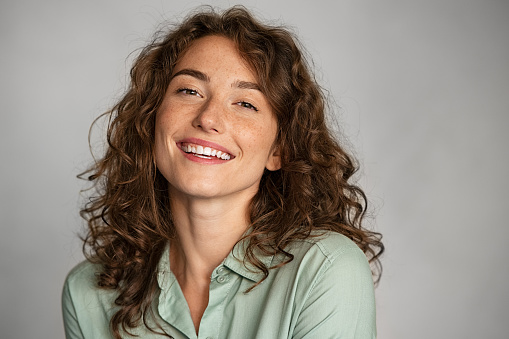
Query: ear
274,160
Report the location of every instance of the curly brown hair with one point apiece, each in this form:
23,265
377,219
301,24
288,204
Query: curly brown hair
129,222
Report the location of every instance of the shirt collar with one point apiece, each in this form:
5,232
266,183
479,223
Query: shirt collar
163,269
234,261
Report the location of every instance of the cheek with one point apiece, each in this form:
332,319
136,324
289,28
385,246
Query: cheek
166,122
260,139
164,119
162,137
269,132
159,134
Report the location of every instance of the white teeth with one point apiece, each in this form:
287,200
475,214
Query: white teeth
199,150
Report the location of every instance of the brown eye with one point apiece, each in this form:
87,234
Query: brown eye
188,91
247,105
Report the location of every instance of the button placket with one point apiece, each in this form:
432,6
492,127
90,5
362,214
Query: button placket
223,275
220,284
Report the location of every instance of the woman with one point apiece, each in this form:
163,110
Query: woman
223,207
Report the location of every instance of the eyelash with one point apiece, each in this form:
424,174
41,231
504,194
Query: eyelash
247,105
187,90
243,104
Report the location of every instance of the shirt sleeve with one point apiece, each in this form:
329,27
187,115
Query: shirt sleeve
71,324
340,303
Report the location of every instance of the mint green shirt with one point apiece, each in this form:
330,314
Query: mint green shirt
325,292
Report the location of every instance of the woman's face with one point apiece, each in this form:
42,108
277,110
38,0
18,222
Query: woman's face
215,130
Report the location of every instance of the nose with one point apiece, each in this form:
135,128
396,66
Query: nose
210,118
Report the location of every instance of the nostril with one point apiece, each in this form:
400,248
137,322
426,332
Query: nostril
208,121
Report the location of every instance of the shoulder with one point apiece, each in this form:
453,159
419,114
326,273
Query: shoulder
329,249
333,244
82,279
332,264
330,260
81,285
86,307
84,270
337,285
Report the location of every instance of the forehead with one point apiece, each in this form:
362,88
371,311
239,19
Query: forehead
215,53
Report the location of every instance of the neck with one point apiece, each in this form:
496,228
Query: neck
207,230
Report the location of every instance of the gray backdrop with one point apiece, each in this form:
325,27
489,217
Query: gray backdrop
423,96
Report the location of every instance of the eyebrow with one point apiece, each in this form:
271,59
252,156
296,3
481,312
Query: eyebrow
204,77
246,85
194,73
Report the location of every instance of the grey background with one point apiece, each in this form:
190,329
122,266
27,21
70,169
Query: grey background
423,94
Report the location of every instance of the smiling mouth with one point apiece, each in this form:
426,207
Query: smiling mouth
205,152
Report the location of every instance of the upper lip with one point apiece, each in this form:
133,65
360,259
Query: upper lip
205,143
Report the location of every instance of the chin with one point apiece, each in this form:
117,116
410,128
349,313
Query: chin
199,190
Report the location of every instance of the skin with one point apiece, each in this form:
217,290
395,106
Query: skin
212,100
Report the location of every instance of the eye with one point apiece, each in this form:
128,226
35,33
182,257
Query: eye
188,91
247,105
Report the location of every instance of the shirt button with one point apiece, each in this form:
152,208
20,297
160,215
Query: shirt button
222,279
220,270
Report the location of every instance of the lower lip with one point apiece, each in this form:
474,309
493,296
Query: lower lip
206,160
